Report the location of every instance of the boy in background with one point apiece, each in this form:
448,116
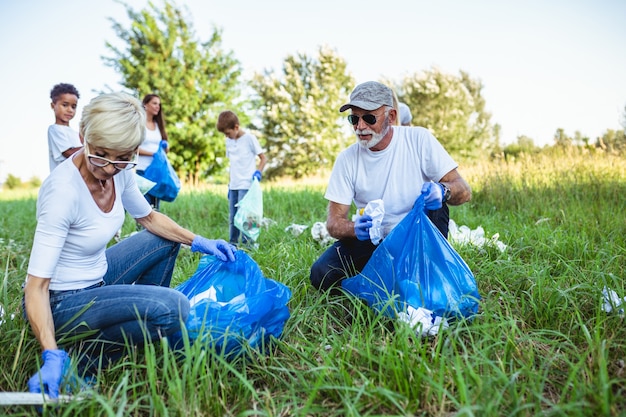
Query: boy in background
63,141
242,149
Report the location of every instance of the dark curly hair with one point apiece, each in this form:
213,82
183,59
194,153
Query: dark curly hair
63,88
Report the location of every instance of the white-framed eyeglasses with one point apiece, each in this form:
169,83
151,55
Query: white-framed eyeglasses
101,162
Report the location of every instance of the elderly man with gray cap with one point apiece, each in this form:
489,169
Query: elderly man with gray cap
393,163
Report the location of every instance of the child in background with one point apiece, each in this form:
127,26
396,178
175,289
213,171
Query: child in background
63,141
242,148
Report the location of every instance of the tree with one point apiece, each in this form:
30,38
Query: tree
12,182
300,115
612,141
524,145
452,108
196,80
561,139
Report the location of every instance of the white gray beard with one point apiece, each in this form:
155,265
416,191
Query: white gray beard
376,137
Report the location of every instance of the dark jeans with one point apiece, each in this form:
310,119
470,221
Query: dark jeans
234,197
347,257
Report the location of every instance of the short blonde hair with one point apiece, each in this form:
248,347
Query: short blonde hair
114,121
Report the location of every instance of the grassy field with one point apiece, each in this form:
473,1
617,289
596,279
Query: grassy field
540,345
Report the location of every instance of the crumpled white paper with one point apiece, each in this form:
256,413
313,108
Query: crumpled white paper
296,229
423,321
612,301
2,313
376,210
320,233
466,236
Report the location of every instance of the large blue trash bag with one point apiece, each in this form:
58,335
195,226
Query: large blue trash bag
161,171
416,266
233,304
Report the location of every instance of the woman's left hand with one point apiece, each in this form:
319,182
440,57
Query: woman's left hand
218,247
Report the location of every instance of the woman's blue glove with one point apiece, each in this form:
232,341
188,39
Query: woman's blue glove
257,175
50,374
362,227
218,247
164,144
433,195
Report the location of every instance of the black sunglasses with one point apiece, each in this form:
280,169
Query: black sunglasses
370,119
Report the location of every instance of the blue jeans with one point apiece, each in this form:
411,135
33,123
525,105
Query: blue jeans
347,257
132,305
234,197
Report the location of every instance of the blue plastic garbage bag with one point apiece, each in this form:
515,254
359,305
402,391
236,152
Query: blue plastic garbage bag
233,304
162,173
416,266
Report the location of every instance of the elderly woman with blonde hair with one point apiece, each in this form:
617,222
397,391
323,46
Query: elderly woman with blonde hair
102,299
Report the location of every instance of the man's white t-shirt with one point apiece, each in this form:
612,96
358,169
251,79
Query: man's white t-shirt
72,231
395,174
242,154
150,144
60,139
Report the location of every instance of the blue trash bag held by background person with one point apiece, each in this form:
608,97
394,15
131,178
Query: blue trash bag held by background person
162,173
232,304
416,266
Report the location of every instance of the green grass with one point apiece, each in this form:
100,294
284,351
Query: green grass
541,344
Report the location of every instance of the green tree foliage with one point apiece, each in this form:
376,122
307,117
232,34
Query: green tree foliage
195,80
524,145
12,182
612,141
299,109
452,108
561,139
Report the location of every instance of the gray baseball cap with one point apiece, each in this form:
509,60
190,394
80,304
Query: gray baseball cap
369,96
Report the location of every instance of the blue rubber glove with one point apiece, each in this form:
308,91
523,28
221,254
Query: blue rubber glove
433,195
218,247
257,175
362,227
50,374
164,145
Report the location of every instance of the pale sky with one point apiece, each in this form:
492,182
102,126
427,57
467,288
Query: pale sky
544,64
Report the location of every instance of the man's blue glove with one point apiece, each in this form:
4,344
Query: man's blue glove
50,374
257,175
433,195
362,227
218,247
164,145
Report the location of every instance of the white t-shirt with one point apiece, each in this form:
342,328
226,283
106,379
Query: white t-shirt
72,232
150,144
60,139
395,174
242,154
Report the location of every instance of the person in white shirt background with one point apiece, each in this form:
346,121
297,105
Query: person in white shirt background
63,141
156,136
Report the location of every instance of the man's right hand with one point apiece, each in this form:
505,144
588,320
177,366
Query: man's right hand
362,227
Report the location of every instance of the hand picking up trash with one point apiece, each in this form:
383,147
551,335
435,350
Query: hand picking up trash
368,221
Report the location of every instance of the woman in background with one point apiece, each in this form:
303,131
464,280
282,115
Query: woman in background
156,137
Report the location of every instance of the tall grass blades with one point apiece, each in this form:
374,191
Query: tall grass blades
540,345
